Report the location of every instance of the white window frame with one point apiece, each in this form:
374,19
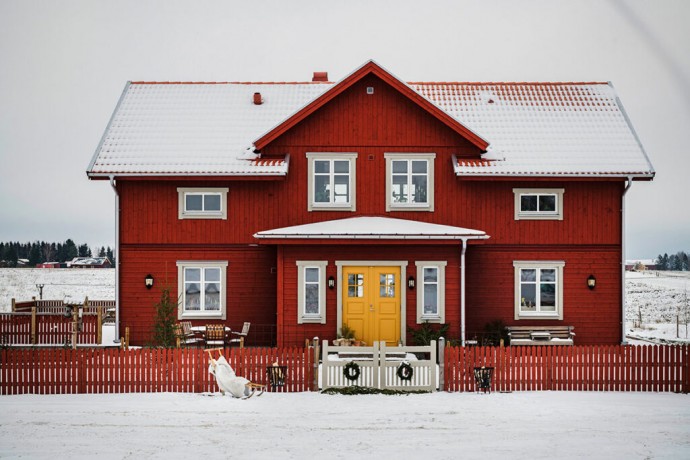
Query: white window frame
538,215
184,214
201,264
440,316
331,156
539,264
302,316
429,205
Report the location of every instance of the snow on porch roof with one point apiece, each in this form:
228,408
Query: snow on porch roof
383,228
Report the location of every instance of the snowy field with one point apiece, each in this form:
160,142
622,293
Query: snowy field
311,425
59,283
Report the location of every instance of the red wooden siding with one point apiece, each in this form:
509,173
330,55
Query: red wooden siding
251,284
596,314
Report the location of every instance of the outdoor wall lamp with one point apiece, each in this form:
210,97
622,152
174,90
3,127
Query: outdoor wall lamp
148,281
331,282
591,282
410,282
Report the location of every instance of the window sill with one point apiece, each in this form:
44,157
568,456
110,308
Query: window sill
536,216
539,316
430,319
312,320
398,207
202,216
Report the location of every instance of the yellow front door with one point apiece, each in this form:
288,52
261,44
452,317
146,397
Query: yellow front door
371,303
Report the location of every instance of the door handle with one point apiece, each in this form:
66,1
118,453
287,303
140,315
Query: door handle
371,307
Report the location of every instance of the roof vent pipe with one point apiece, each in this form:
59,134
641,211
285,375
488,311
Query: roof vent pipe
320,76
258,100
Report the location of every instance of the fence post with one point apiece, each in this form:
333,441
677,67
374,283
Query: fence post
441,363
315,382
14,305
99,325
686,370
33,325
75,316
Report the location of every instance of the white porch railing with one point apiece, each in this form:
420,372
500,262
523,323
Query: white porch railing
378,366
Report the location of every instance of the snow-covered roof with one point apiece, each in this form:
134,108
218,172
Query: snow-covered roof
384,228
88,261
550,129
206,129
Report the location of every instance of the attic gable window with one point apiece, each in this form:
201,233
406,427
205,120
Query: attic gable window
410,181
538,204
202,203
331,181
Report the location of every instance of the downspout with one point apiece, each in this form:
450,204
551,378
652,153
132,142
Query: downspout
462,292
625,190
117,260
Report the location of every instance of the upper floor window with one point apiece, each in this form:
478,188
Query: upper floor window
538,204
202,203
431,291
311,295
539,289
410,181
201,289
332,182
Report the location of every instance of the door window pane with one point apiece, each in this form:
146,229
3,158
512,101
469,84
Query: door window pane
355,285
387,285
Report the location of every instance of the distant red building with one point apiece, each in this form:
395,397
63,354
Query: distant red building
372,202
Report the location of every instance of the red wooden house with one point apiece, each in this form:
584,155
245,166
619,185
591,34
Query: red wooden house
372,202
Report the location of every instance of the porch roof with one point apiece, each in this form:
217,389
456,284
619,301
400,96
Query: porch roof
383,228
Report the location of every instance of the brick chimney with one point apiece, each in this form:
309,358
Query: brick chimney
320,76
258,100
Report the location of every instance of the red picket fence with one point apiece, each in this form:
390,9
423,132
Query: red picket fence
59,371
572,368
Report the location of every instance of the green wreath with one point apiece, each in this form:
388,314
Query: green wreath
405,371
351,371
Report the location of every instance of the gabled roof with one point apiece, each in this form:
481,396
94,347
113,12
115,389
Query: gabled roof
371,68
533,129
378,228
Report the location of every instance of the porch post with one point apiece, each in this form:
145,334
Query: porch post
462,291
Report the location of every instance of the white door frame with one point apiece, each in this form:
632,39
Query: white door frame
375,263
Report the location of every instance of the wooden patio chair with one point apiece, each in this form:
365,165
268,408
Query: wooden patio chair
215,335
241,336
179,335
189,338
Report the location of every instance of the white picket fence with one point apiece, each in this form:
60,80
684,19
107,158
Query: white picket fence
378,366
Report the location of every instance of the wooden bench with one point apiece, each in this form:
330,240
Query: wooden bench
541,335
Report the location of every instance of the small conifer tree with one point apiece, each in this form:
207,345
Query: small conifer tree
164,323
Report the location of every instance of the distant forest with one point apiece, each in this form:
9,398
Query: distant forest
676,262
42,251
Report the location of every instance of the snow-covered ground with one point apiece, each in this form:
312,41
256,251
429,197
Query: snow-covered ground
310,425
59,283
657,296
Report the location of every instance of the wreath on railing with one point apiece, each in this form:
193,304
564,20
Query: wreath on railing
351,371
405,371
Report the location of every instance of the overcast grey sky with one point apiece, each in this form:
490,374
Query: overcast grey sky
63,65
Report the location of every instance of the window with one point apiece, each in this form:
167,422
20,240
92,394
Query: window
539,289
332,182
311,292
538,204
201,289
202,203
410,181
431,291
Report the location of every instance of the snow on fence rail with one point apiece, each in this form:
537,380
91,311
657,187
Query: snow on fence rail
664,368
59,371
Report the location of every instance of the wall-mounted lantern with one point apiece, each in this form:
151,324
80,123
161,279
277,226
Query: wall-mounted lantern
331,282
591,282
148,281
410,282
